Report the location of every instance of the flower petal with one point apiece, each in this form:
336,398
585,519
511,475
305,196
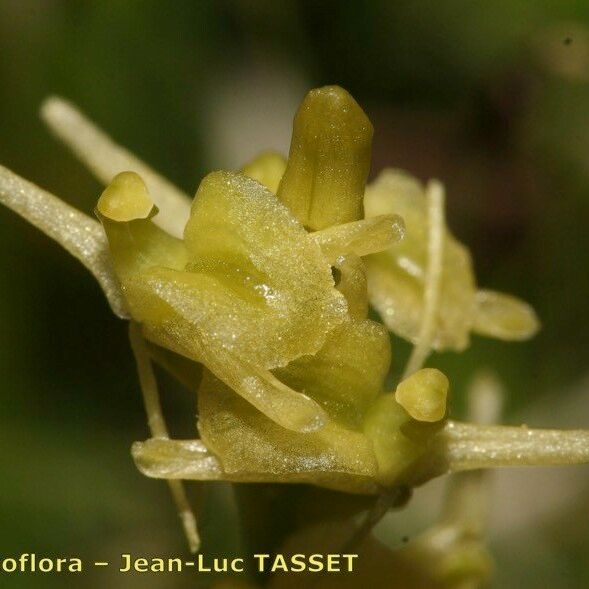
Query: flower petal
347,373
367,236
275,300
162,458
396,278
504,316
80,235
247,444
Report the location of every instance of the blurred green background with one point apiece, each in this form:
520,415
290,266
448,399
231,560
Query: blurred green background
490,97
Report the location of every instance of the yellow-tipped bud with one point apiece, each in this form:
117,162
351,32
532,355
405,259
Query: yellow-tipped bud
423,394
125,199
329,160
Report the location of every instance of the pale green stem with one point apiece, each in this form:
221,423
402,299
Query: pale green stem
470,447
433,277
82,236
105,159
159,430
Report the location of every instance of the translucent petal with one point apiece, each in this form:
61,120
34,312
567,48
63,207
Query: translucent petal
162,458
396,277
80,235
192,460
267,168
363,237
275,299
105,159
504,316
178,311
329,160
246,442
347,374
292,410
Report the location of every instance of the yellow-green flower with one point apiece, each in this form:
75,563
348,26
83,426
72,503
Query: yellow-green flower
397,277
261,279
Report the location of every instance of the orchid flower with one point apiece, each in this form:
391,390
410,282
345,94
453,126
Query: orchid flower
264,279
